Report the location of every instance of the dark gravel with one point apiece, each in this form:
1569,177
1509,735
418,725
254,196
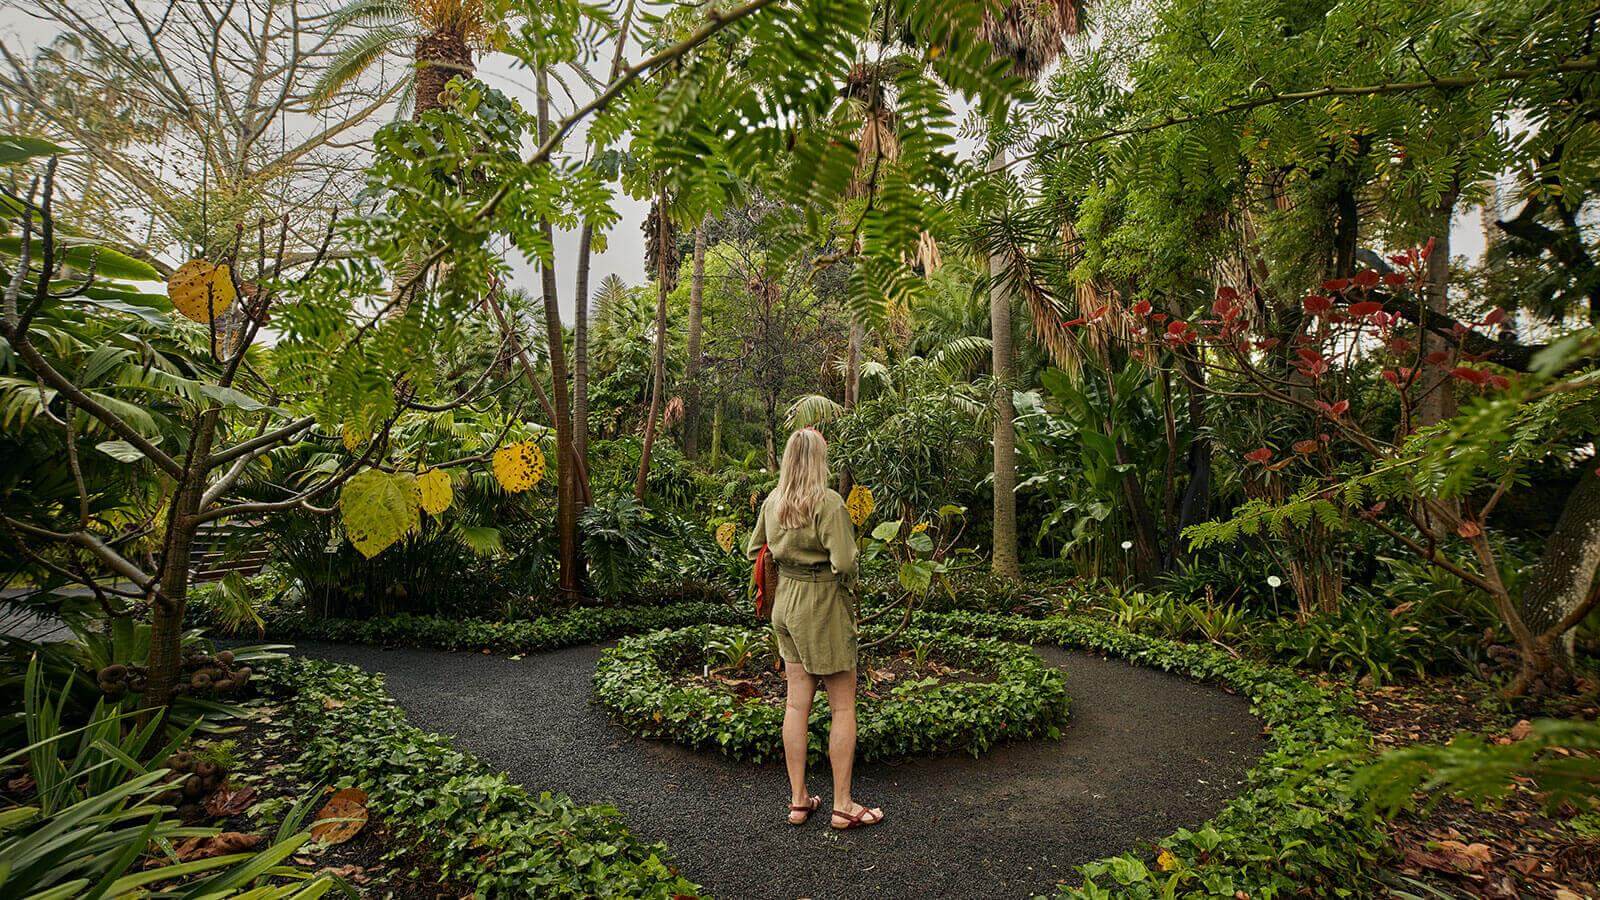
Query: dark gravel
1145,754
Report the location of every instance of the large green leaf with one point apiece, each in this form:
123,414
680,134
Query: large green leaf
107,263
379,508
16,148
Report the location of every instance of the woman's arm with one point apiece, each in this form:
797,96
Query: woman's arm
839,539
758,535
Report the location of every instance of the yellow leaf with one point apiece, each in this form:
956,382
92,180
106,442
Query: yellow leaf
200,290
1166,861
518,467
725,535
352,437
434,491
860,504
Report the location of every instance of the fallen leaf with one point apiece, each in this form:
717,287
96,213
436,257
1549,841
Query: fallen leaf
330,703
229,800
342,817
1521,730
207,846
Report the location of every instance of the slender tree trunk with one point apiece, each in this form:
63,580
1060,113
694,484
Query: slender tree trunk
658,374
165,657
1436,400
771,403
568,493
852,387
1005,562
716,433
1565,574
580,325
691,369
580,347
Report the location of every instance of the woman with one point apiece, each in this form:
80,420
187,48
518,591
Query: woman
805,524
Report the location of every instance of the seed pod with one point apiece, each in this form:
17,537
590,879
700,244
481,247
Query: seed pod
225,657
114,672
193,789
200,680
205,768
180,762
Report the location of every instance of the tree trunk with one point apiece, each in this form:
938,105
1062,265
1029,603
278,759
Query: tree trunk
1436,398
658,366
580,347
441,55
716,434
568,494
852,386
165,658
691,370
1004,563
771,403
1565,574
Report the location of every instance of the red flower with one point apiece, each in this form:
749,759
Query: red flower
1259,455
1142,308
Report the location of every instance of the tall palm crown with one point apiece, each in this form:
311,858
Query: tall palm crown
440,36
1031,33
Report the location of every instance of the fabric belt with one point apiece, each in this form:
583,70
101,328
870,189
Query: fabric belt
814,572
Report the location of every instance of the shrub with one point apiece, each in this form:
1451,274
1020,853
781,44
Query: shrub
1027,698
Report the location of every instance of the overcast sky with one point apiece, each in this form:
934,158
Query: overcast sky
625,242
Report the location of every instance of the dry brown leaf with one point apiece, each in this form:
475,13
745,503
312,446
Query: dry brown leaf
207,846
342,817
1521,730
230,801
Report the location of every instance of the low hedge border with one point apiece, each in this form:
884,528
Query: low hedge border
1296,831
585,625
635,682
474,822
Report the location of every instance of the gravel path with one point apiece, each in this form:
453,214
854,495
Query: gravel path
1144,754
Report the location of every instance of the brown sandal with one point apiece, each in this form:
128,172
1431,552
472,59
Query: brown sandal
859,820
808,809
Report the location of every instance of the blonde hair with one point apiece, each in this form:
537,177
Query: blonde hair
802,478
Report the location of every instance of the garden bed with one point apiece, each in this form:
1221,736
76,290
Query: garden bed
479,828
922,693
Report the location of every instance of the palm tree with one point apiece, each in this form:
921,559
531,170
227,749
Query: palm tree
691,403
1031,34
439,37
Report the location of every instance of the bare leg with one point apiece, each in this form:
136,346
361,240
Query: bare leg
841,687
802,686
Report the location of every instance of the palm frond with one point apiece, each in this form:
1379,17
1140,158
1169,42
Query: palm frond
960,357
354,58
812,410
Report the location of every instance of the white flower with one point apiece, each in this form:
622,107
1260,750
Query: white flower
1274,581
1127,545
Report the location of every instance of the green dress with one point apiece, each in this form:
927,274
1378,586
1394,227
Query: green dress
813,615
